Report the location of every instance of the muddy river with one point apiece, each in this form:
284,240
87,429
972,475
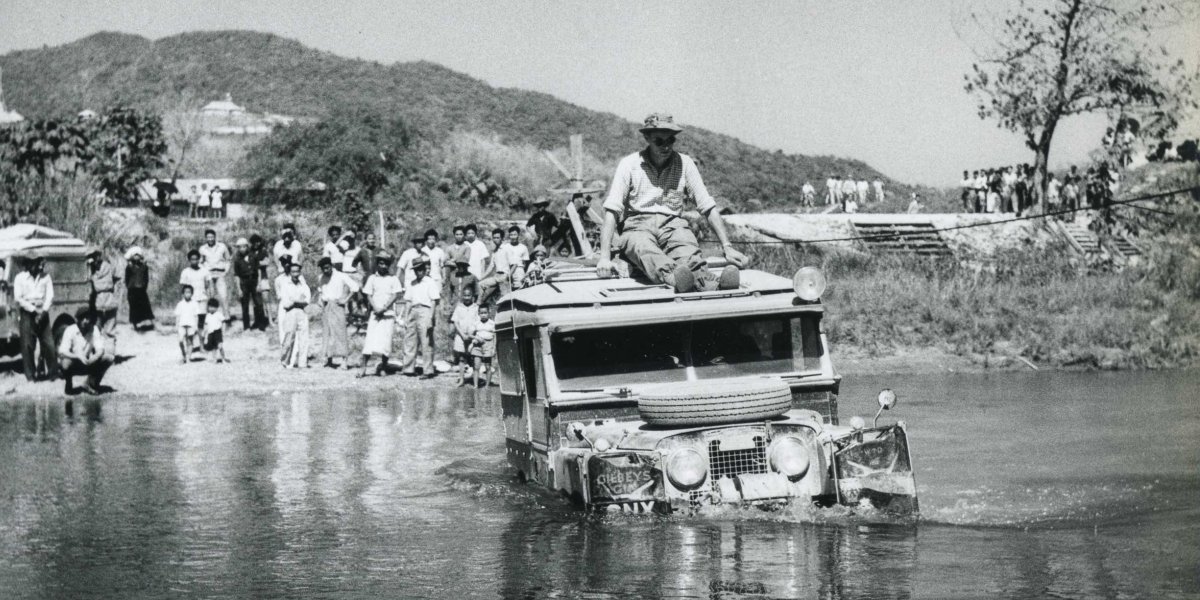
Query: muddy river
1032,485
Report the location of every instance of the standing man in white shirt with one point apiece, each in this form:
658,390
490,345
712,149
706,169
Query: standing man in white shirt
435,255
878,185
215,258
833,191
422,295
479,252
34,292
809,193
863,188
646,201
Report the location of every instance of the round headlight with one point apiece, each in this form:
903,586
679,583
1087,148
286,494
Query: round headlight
602,445
686,469
857,422
809,283
789,457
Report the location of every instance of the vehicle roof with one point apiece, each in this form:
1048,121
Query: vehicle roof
23,237
575,297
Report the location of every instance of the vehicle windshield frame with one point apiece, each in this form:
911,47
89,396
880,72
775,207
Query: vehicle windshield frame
689,353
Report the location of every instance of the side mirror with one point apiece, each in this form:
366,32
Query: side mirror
887,399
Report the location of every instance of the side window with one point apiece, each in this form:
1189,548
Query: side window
531,368
510,367
806,336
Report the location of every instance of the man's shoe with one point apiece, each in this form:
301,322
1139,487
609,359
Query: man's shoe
681,279
731,278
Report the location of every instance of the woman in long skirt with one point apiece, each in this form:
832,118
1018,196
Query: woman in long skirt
137,280
382,291
335,289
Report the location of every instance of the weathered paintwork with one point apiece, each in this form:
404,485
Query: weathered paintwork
66,264
590,442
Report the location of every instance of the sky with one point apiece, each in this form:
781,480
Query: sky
876,80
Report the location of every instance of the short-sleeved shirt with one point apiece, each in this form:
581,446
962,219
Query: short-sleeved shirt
640,187
296,251
215,258
337,289
485,334
425,292
478,258
334,253
217,195
104,285
195,278
437,258
292,292
511,256
404,264
215,321
382,288
186,314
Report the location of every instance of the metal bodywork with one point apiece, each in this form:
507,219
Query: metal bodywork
590,442
66,263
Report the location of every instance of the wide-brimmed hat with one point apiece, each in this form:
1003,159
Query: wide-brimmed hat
383,257
540,249
541,201
134,251
242,242
660,121
420,262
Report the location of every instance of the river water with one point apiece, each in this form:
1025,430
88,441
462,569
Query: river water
1032,485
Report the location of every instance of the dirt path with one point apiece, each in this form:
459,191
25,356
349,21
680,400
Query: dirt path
150,364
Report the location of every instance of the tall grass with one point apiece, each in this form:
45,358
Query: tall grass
1038,304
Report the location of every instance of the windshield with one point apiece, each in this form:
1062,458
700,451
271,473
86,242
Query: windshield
621,356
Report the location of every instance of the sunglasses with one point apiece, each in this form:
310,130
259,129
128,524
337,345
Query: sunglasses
663,141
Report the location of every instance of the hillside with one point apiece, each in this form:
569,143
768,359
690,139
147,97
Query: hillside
268,73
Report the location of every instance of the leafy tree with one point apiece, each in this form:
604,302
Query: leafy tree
1056,58
112,152
354,154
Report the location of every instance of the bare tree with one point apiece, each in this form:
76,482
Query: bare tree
183,126
1049,59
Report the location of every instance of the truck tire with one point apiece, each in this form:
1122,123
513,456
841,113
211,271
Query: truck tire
713,403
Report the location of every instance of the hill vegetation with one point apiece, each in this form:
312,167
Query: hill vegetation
268,73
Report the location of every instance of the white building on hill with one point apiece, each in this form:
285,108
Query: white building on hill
222,108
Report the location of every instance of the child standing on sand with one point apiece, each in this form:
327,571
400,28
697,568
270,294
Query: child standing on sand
463,320
185,322
214,332
483,343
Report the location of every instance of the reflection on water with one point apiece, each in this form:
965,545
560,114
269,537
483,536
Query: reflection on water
1072,485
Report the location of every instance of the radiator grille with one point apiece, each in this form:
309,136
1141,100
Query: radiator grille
736,462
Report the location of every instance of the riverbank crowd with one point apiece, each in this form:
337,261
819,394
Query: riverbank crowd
1011,189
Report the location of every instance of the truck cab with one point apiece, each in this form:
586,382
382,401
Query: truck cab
66,263
625,395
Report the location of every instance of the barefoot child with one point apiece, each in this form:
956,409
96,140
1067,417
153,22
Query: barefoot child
185,322
483,343
214,331
463,320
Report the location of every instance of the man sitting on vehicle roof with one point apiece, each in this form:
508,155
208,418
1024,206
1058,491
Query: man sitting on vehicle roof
646,197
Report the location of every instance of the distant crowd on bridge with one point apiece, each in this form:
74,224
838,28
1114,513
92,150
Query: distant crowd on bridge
1012,189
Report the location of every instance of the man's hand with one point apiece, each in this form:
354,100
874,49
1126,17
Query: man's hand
604,267
735,257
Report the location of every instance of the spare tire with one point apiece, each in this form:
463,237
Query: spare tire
714,402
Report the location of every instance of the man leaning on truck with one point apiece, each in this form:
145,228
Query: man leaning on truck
646,197
34,292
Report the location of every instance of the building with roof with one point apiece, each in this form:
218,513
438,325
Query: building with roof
222,108
7,117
